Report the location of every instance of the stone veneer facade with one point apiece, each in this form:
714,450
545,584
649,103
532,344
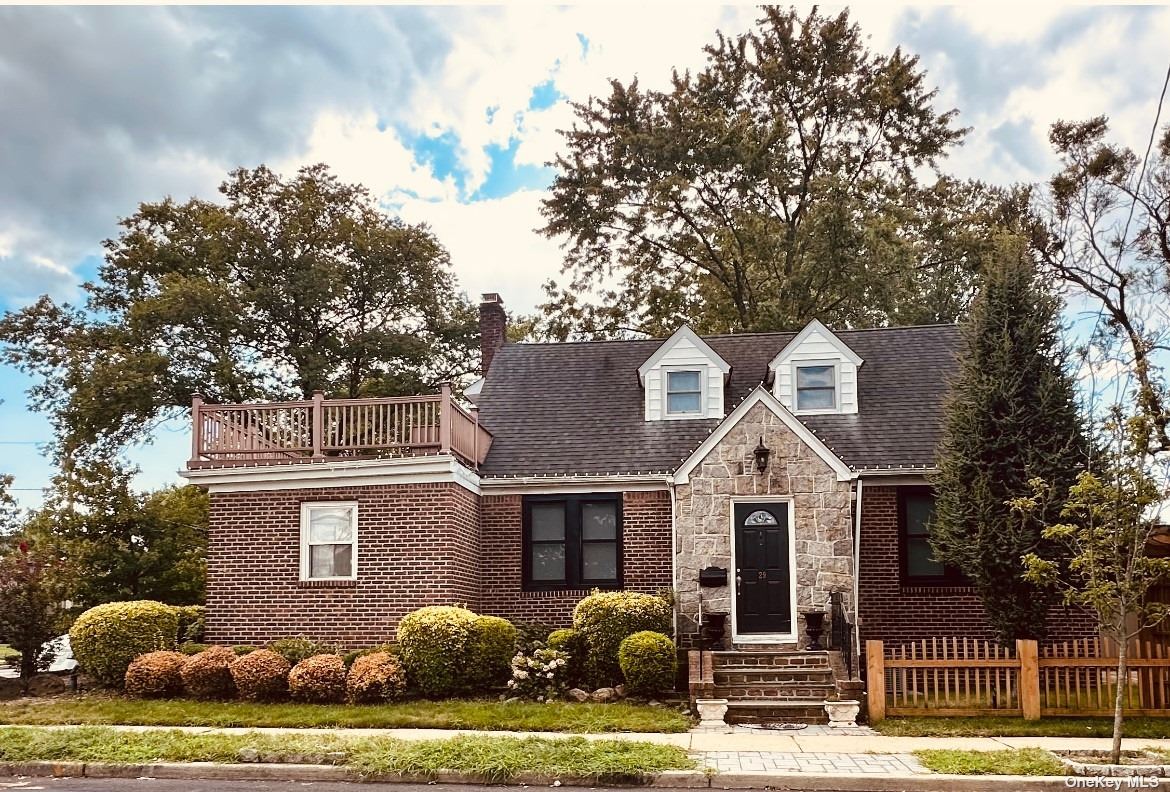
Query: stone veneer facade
820,516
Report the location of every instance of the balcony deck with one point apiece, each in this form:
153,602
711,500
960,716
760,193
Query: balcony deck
320,429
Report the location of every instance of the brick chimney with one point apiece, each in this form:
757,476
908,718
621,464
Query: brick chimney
493,325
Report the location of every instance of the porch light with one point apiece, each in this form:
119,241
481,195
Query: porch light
761,454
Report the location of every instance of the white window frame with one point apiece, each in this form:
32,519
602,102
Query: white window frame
306,510
835,367
666,372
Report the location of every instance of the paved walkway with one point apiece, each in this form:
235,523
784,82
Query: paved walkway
764,762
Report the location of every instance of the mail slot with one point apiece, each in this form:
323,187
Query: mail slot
713,576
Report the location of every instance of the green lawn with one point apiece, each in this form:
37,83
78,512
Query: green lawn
1149,728
499,758
1021,761
97,709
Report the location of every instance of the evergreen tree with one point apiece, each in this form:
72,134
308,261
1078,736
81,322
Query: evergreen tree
1011,417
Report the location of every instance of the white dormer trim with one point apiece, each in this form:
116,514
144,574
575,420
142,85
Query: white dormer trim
762,395
472,391
683,333
684,351
816,345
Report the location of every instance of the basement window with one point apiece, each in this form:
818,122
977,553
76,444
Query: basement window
328,541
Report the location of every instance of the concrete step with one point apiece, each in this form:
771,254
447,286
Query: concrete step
777,711
800,691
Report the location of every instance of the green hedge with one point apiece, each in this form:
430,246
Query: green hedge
433,643
648,661
490,651
105,639
605,619
572,643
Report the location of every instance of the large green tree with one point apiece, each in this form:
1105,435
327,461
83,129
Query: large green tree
780,183
125,544
283,287
1012,416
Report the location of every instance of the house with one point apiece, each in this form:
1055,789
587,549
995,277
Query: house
784,468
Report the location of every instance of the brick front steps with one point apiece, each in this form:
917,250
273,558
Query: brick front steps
771,685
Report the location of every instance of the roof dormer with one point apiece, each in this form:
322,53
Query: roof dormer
683,379
816,373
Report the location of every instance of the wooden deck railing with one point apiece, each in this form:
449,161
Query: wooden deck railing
965,677
317,429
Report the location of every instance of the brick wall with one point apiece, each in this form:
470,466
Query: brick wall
417,545
892,612
645,557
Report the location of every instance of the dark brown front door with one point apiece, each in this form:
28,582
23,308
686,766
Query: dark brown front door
763,579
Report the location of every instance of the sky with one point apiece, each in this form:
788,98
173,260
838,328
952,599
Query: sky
449,115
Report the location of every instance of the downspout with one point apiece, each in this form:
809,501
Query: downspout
673,555
857,573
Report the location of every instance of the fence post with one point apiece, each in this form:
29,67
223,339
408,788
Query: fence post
318,423
445,418
1028,654
875,680
196,426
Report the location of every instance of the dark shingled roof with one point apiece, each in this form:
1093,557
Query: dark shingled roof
577,408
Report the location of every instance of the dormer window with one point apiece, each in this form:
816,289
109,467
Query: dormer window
816,388
684,392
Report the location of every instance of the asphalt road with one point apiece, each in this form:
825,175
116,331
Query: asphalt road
168,785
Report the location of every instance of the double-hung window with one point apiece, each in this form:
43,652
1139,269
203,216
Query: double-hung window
915,511
328,541
572,541
684,392
816,387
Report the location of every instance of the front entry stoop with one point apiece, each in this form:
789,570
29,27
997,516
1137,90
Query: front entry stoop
766,685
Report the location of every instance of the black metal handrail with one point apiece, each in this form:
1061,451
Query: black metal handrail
841,631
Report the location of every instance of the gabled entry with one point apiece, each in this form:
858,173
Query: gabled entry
763,550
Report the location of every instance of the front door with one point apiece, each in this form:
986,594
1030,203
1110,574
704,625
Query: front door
763,578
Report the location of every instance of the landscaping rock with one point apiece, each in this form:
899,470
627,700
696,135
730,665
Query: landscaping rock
513,700
10,688
46,685
604,694
653,703
248,755
620,690
577,694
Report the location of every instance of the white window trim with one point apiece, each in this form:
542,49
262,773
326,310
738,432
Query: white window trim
836,367
306,507
682,416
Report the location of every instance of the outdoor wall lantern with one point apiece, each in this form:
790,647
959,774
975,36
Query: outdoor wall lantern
761,454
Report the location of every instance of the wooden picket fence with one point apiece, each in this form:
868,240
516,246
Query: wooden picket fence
963,677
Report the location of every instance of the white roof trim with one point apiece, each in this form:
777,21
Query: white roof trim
762,395
815,326
679,334
472,390
435,468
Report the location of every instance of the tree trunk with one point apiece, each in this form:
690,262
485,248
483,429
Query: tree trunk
1119,700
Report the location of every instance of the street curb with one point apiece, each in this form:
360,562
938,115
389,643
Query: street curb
674,779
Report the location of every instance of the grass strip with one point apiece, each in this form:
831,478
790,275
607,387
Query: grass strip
1146,728
97,709
496,758
1018,761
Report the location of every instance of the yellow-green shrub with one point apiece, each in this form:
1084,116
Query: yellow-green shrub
433,643
648,661
605,619
319,679
374,678
191,620
155,675
261,675
105,639
490,652
294,650
572,643
208,675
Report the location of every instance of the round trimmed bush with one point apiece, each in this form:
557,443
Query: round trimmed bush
572,643
208,675
107,638
490,652
648,661
349,657
261,675
156,675
605,619
193,648
374,678
319,679
433,643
